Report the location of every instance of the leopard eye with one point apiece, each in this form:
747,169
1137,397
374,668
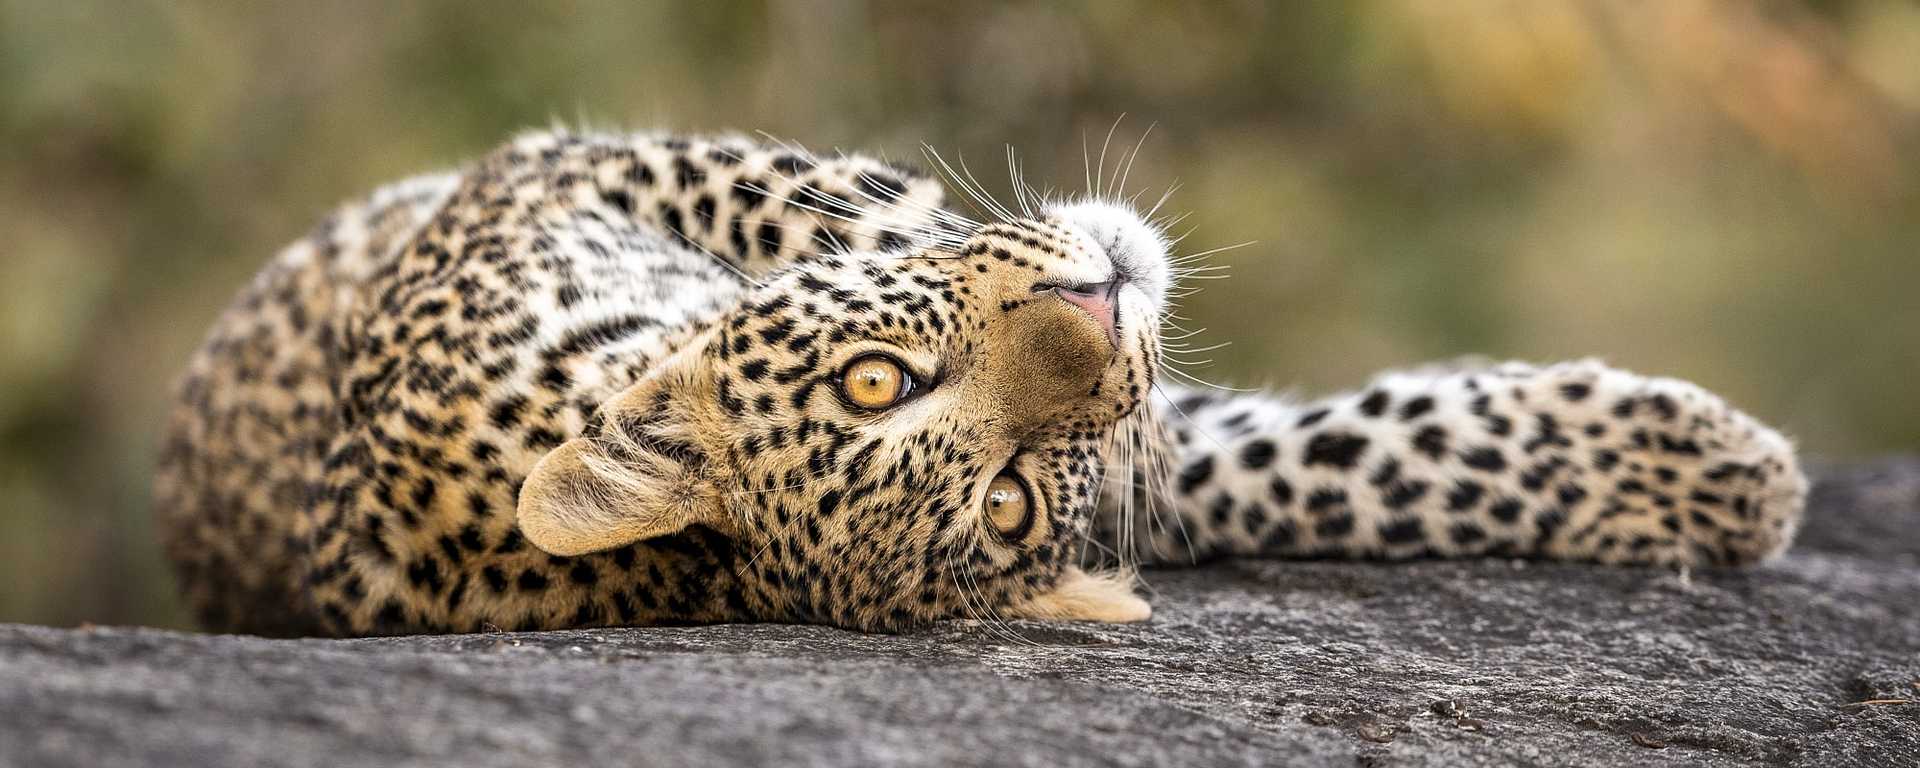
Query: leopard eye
1009,507
876,381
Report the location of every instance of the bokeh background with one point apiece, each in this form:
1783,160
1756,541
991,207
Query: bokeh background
1723,191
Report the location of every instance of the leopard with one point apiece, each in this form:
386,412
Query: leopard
621,379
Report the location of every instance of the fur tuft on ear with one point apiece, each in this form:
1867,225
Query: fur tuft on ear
637,474
1082,596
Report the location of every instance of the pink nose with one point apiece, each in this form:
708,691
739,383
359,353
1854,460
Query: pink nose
1101,300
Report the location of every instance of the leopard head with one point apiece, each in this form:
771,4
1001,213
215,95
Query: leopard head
890,437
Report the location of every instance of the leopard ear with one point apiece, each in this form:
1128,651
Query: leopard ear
1081,596
638,473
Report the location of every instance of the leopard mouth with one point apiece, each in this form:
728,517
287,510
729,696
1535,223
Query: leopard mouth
1101,301
1135,248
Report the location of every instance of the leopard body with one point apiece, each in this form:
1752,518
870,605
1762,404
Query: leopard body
595,380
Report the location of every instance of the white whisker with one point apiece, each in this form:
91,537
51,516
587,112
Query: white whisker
976,199
1220,249
1203,382
1100,175
1128,169
1164,197
1000,209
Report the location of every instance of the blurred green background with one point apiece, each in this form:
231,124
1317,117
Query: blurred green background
1727,192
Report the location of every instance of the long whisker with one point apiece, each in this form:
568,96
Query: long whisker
911,234
952,180
1190,420
1019,189
850,213
1203,382
1005,214
1180,523
1128,169
1086,165
982,608
945,231
1100,176
917,208
1164,197
1212,251
722,261
940,216
1122,541
975,198
1208,348
966,598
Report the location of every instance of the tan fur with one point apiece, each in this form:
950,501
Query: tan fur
1082,596
607,489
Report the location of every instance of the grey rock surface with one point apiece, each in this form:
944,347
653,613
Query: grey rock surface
1245,663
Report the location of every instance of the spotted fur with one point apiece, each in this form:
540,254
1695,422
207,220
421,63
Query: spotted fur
592,380
1575,461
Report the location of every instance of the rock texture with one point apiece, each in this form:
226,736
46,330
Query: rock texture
1803,662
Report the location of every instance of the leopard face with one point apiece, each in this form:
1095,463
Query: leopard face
892,437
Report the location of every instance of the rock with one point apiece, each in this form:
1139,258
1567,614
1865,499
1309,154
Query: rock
1802,662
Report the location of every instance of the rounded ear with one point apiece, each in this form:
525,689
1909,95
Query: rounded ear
1081,596
638,473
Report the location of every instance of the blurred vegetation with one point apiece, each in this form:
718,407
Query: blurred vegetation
1723,191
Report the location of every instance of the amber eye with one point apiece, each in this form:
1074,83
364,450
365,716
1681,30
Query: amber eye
1009,507
875,381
